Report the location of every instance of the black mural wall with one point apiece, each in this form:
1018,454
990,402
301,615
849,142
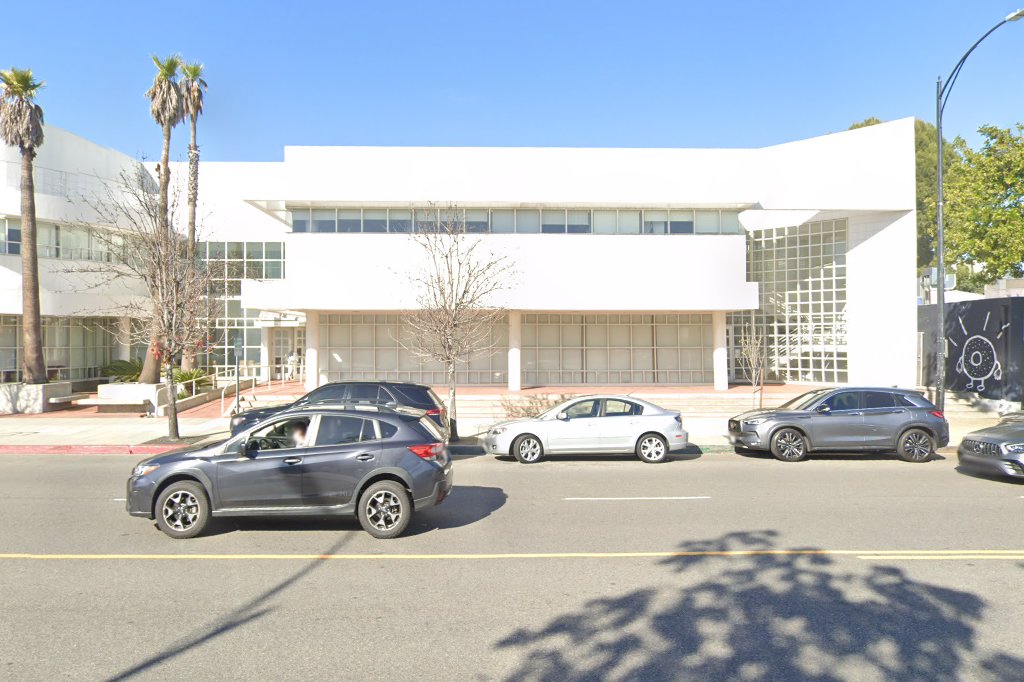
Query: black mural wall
985,346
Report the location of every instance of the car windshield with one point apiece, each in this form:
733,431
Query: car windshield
550,414
802,402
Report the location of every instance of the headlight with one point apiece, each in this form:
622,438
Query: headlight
143,469
498,430
755,421
1014,448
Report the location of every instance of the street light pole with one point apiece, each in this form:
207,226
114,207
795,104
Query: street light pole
942,91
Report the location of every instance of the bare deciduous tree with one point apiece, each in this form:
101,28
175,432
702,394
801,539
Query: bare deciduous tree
753,359
146,248
455,294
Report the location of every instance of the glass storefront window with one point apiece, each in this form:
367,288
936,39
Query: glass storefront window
503,221
552,221
324,220
399,220
375,220
299,219
350,220
655,222
527,220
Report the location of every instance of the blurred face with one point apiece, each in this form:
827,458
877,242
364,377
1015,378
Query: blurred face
299,435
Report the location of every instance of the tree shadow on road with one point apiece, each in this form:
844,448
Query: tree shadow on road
243,615
763,616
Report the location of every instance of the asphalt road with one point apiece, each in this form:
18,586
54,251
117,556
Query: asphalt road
837,568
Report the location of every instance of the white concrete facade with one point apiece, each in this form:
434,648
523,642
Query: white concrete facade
595,307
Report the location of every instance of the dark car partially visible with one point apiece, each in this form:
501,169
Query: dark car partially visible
387,393
996,450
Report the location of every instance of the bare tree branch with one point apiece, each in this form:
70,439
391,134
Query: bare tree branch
456,295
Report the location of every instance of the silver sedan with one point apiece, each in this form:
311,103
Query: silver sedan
591,425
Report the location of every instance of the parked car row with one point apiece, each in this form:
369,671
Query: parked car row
378,451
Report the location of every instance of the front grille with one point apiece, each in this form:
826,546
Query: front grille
977,447
733,425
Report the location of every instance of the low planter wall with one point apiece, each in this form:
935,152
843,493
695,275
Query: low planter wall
32,398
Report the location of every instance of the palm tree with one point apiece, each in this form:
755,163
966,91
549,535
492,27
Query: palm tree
165,106
21,126
192,88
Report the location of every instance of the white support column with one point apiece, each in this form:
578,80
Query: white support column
265,369
123,351
720,356
515,340
312,350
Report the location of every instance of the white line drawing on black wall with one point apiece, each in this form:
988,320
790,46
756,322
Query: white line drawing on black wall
978,361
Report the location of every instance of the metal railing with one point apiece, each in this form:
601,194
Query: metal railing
237,401
178,385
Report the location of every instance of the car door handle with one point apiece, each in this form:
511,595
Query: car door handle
856,414
292,460
365,457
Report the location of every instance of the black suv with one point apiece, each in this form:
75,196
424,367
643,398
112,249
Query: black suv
388,393
377,463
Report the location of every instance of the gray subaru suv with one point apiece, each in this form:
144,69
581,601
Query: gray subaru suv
845,419
377,463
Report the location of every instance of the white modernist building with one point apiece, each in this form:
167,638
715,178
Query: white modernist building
633,266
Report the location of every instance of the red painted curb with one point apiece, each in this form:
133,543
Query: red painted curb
87,449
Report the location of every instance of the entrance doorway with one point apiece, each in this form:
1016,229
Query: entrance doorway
287,353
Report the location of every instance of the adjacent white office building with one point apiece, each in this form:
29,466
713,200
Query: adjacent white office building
633,266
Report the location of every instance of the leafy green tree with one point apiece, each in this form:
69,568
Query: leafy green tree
985,207
21,126
926,149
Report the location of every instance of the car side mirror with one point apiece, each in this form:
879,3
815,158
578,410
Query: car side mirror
823,409
251,448
562,416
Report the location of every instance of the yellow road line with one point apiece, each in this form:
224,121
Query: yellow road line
947,557
860,554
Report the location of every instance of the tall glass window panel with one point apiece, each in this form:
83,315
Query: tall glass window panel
503,221
707,222
74,243
552,221
731,223
375,220
399,220
578,222
350,220
527,220
47,236
604,222
680,222
236,250
426,220
254,250
299,219
629,222
655,222
324,220
476,220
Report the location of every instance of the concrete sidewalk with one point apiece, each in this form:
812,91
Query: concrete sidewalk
47,432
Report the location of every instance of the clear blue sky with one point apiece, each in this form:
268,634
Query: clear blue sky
553,73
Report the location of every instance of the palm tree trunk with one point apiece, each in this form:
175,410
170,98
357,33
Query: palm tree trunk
188,358
33,365
151,365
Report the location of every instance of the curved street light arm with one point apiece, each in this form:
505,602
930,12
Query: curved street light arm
948,87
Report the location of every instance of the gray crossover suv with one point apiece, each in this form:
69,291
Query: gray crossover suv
841,419
377,463
996,450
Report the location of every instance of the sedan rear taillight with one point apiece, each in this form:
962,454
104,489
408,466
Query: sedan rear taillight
429,452
434,412
937,413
